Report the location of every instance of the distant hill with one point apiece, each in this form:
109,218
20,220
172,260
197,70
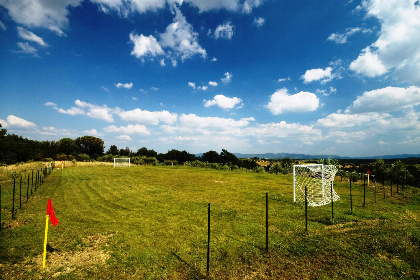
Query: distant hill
304,156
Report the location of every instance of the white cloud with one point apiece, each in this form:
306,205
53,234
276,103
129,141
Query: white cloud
26,48
162,62
129,129
192,121
50,104
100,114
368,64
180,37
281,101
341,38
259,21
284,79
318,74
41,13
154,88
92,132
386,100
93,111
16,122
339,120
147,117
283,130
126,85
225,30
397,50
145,46
213,84
214,59
203,88
30,36
191,84
72,111
249,5
124,138
224,102
227,78
205,5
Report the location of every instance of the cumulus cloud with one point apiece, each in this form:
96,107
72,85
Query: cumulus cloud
281,101
30,36
224,102
16,122
368,64
41,13
227,78
147,117
386,100
213,84
225,30
124,138
397,49
129,129
126,85
179,39
145,46
323,75
340,120
249,5
191,84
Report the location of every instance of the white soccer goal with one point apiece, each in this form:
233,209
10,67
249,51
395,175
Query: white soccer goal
121,162
318,179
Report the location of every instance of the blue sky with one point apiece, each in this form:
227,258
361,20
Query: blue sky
249,76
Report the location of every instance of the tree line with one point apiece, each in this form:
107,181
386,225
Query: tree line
15,149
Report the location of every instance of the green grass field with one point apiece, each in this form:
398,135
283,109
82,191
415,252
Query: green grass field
151,223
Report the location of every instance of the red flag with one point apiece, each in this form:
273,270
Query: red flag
368,172
50,212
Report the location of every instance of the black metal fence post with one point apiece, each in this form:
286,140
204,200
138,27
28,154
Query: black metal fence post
20,193
332,203
13,201
306,209
208,241
351,198
266,222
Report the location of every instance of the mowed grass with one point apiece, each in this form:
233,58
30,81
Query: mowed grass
151,223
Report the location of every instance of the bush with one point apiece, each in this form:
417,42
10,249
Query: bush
83,157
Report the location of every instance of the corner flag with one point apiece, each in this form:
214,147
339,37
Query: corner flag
50,212
50,216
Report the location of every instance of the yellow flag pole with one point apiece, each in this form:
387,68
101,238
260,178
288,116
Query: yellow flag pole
45,241
368,179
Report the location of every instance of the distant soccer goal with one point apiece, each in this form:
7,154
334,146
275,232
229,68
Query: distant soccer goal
121,162
318,179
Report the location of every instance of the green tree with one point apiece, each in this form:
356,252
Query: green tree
91,146
113,150
67,146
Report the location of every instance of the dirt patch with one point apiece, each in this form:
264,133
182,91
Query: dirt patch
90,254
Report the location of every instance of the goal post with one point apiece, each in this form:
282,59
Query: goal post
318,179
121,162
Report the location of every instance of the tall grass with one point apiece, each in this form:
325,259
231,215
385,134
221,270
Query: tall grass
151,223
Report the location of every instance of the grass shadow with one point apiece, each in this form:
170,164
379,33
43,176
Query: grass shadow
196,274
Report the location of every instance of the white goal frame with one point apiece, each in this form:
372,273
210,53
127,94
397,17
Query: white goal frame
318,179
120,162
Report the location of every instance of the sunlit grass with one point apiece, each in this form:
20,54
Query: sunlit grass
152,221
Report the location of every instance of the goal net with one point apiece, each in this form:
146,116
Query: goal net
121,162
318,179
